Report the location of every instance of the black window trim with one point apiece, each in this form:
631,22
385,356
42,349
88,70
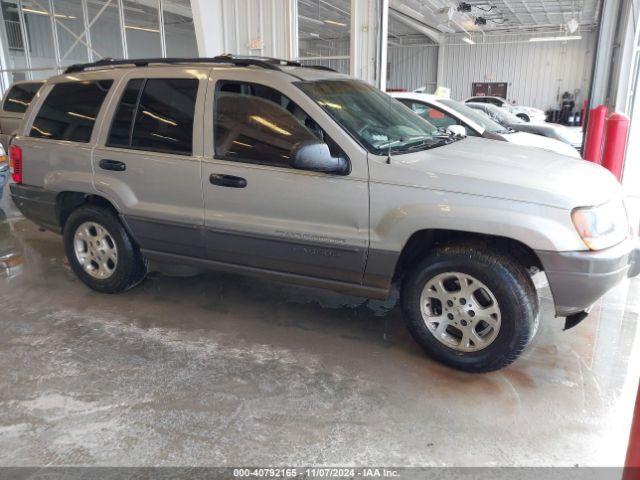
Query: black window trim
135,115
288,168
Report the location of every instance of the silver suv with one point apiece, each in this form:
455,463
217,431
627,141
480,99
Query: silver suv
265,167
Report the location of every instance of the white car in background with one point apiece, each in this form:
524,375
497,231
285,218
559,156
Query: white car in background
528,114
445,113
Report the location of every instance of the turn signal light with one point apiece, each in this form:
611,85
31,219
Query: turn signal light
15,163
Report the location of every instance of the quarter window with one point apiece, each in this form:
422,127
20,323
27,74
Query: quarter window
20,96
257,124
69,112
156,115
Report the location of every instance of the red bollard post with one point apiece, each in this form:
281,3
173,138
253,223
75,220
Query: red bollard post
615,143
595,134
632,463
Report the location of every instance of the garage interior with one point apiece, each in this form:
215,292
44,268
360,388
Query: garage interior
223,370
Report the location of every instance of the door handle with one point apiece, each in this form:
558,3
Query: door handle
114,165
227,180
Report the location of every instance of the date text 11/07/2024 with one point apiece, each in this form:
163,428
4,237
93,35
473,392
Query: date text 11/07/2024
315,472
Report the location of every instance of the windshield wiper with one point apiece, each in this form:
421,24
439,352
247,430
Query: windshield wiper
408,140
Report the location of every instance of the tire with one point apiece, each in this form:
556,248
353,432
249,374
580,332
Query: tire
501,333
523,116
97,265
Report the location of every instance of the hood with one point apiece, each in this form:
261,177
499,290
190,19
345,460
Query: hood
488,168
540,141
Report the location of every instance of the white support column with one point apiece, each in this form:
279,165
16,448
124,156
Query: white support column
383,43
277,31
208,21
364,40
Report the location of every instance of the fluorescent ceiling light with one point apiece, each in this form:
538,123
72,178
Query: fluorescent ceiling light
145,29
331,22
44,12
555,39
468,40
312,20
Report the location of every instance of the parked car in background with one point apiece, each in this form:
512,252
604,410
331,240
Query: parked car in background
4,170
14,104
444,112
570,136
528,114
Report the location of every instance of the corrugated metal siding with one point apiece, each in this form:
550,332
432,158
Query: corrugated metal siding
258,22
537,72
411,67
326,48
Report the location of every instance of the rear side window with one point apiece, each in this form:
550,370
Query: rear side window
20,96
120,134
69,112
156,115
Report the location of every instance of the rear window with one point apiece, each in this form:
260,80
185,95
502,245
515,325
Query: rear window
19,97
156,115
69,112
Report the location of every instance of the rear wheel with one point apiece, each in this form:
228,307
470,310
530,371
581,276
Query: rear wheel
100,251
523,116
470,308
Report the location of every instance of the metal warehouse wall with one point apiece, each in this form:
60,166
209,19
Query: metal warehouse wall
250,27
413,66
326,48
537,72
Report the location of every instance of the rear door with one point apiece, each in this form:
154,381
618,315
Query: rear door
260,212
148,161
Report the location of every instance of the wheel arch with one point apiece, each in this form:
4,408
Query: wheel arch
422,241
68,201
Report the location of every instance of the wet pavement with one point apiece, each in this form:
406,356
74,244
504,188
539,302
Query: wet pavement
225,370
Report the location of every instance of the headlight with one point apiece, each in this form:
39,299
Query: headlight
602,226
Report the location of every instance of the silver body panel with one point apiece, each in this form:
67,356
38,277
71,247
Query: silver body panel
343,232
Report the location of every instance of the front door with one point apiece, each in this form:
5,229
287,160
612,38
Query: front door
261,213
148,164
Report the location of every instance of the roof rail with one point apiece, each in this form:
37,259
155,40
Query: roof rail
241,61
321,67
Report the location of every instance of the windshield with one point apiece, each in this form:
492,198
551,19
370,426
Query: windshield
505,117
483,120
380,123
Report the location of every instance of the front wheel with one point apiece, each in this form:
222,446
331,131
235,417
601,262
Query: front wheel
470,308
100,251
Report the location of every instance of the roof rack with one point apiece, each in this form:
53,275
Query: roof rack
241,61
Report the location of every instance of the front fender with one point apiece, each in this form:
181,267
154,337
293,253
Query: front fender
413,209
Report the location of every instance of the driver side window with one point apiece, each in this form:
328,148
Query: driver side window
434,116
257,124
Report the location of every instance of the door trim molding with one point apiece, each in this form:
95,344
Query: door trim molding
341,287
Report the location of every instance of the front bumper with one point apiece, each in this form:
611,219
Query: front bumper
579,279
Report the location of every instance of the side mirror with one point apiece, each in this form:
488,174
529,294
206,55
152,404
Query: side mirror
457,130
315,156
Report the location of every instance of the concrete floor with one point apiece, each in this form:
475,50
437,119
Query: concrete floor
224,370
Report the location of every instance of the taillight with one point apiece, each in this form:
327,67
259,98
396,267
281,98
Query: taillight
15,163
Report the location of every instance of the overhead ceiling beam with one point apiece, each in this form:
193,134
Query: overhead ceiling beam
426,30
